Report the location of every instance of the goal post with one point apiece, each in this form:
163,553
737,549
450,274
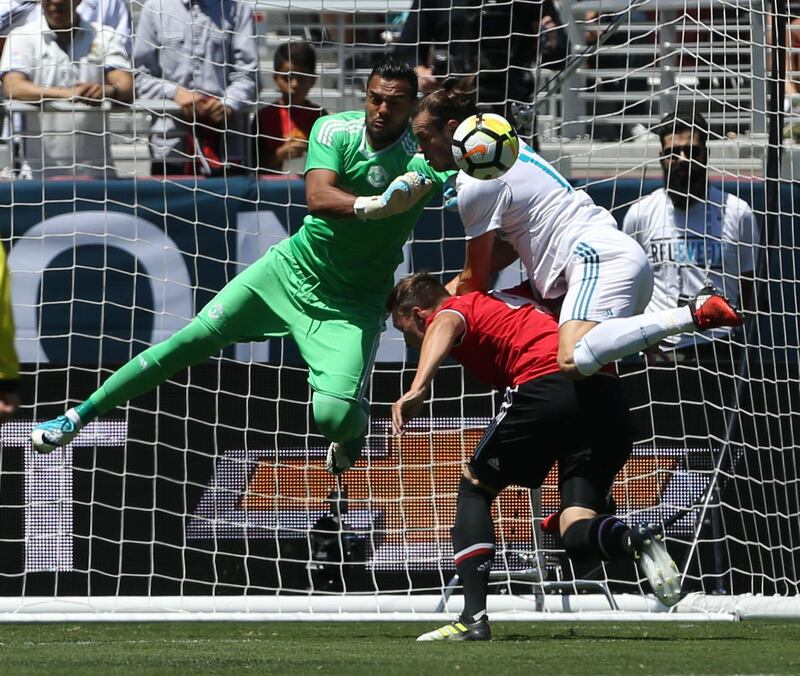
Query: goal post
208,498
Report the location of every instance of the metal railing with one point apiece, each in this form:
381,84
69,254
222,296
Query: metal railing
147,109
724,73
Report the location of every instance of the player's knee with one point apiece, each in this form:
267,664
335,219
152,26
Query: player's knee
581,362
338,419
571,515
470,488
192,344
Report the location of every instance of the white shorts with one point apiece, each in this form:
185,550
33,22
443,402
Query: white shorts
608,275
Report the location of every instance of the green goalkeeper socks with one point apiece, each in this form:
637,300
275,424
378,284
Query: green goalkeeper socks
86,412
339,419
192,345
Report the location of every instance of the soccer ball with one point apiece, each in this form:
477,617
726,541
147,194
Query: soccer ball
485,146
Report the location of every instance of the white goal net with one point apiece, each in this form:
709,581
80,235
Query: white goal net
208,497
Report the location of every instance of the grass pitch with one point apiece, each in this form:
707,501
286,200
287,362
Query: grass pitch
383,649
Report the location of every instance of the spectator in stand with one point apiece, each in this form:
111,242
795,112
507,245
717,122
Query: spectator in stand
62,56
282,127
694,234
113,13
473,39
9,364
202,55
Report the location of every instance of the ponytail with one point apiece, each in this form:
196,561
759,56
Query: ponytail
455,100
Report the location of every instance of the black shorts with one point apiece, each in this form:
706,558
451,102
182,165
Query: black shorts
583,425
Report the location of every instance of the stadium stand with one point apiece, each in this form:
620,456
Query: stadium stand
596,123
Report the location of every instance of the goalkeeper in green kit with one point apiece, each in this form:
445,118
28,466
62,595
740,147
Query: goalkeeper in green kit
326,286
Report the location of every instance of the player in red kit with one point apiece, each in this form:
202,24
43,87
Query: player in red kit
511,343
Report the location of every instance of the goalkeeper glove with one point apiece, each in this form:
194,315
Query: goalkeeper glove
402,194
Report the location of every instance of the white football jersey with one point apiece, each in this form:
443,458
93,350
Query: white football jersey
536,210
711,243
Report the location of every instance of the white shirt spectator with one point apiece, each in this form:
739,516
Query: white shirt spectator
113,13
61,143
710,243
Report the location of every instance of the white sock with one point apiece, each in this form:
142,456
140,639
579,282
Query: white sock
617,338
72,414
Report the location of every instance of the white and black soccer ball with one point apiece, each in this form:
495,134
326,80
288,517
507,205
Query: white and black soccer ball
485,146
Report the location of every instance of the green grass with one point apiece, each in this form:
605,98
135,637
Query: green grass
383,648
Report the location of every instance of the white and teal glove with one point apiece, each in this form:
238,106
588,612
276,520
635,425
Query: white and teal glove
402,194
450,195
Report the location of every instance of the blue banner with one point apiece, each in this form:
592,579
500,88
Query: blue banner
103,269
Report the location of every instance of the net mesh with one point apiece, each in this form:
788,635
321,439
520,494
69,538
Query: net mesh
215,483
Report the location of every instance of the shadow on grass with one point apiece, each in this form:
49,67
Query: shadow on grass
538,638
612,637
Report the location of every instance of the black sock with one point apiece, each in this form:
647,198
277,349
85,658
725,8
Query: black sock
604,537
473,547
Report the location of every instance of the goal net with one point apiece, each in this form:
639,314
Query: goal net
208,497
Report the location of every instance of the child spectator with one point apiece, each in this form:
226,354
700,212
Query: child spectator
61,55
283,126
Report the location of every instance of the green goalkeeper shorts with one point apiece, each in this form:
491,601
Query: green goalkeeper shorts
274,298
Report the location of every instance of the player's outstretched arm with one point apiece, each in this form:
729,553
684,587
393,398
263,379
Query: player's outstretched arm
440,336
324,198
477,271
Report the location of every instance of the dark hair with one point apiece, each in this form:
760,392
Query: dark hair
677,122
418,290
456,100
389,68
300,54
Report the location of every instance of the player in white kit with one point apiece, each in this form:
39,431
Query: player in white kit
571,249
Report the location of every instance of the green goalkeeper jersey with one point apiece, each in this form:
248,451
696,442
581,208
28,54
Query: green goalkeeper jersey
354,261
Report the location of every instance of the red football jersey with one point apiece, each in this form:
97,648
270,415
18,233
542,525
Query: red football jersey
509,339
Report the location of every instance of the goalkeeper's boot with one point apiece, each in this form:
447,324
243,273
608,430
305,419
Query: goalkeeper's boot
653,559
711,310
460,631
51,434
342,455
